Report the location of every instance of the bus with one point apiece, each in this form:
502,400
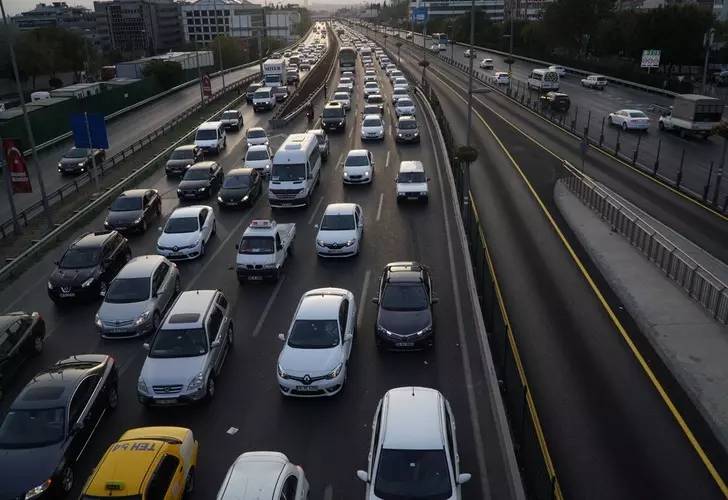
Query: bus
347,59
441,40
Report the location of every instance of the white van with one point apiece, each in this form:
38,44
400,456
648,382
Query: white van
211,136
543,79
264,98
295,172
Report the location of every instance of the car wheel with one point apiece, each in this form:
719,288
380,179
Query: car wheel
210,390
202,249
624,126
214,227
37,344
67,479
112,397
189,483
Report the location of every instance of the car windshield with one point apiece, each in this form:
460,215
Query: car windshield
256,245
375,99
410,177
407,124
76,153
126,204
340,222
253,155
182,225
404,103
342,96
413,474
371,85
230,114
255,134
32,428
404,297
637,114
206,135
182,154
76,258
184,343
356,161
289,172
236,181
372,123
127,290
371,110
314,334
261,94
332,112
196,174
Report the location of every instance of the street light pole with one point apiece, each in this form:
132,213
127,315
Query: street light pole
707,43
28,129
466,170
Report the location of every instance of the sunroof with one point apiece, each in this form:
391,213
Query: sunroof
184,318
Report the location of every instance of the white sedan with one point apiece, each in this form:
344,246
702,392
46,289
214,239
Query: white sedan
502,78
318,344
560,70
372,127
404,107
343,99
187,233
259,158
371,88
340,231
486,63
629,119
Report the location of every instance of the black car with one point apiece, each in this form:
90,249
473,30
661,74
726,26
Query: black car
251,90
241,186
21,336
404,318
232,119
555,101
133,210
333,116
88,266
281,93
182,158
49,424
78,160
200,180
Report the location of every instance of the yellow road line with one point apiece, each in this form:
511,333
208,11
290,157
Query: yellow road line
623,332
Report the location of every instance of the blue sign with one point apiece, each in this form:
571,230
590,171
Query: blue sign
89,130
419,14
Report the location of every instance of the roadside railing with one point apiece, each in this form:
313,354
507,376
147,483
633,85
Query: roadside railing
699,283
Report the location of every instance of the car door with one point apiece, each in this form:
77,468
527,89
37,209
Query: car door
214,338
280,254
205,229
160,286
345,326
82,417
359,221
108,266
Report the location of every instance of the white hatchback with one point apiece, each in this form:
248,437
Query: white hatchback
372,128
187,232
256,136
258,158
405,107
358,167
371,88
340,231
317,346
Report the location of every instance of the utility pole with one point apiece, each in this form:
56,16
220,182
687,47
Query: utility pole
510,50
28,128
219,46
707,43
199,72
466,170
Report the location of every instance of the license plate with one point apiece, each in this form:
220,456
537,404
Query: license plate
405,344
173,255
255,278
67,294
166,401
412,197
118,330
307,388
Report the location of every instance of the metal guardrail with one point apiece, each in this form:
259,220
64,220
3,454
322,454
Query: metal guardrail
699,283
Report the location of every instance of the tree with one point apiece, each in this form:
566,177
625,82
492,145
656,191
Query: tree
573,22
166,73
230,49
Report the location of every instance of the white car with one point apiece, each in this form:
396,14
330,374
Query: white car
405,106
502,78
340,230
187,233
468,53
259,158
347,74
402,454
395,74
346,82
389,68
358,167
263,471
401,82
411,182
343,99
370,79
486,63
318,344
256,136
398,93
370,72
560,70
372,127
371,88
629,119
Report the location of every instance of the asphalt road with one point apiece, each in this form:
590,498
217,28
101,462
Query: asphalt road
329,438
610,433
122,132
593,106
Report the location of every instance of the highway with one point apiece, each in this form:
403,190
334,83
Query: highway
122,132
328,438
698,152
608,406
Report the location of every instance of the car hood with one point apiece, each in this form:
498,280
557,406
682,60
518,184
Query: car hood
26,468
124,217
373,130
193,184
256,141
73,161
411,187
257,164
171,371
180,163
357,170
109,311
229,194
314,362
336,236
404,322
63,276
178,239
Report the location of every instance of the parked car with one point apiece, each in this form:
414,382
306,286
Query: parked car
138,297
47,427
555,101
181,159
200,181
88,266
340,231
271,472
241,186
132,210
630,119
79,160
22,336
232,118
187,232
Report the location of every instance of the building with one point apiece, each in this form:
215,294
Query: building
139,27
188,60
203,20
56,14
654,4
530,10
494,9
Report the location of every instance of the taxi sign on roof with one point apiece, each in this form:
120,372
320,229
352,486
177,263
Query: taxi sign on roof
262,223
114,485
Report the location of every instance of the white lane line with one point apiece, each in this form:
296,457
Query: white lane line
362,297
266,310
386,162
315,210
338,160
464,351
329,492
351,131
379,208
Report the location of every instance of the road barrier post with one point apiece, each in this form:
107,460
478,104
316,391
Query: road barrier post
588,122
707,183
657,157
678,180
619,136
718,179
576,117
636,150
601,134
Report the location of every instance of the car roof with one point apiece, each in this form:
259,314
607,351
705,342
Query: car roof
191,211
133,193
406,118
257,129
372,116
203,165
186,147
333,104
357,152
403,407
93,240
209,125
256,473
239,171
140,267
410,166
404,99
258,147
321,303
632,111
340,209
403,272
189,309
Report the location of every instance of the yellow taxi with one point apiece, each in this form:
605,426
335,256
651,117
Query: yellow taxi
148,463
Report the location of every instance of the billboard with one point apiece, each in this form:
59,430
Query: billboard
18,169
650,58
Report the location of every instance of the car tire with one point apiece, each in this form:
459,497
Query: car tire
67,479
661,125
37,345
112,397
214,228
210,388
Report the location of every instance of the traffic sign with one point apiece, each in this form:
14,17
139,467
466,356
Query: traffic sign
16,163
89,130
419,14
206,86
650,59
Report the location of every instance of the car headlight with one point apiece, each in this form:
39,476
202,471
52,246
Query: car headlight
320,243
269,266
219,198
202,189
197,242
335,372
138,220
97,320
383,330
179,191
423,193
196,382
346,174
366,174
341,122
60,165
142,386
282,373
81,163
143,317
424,331
88,282
267,166
50,286
38,490
350,242
416,134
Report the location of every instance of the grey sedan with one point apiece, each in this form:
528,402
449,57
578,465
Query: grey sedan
138,297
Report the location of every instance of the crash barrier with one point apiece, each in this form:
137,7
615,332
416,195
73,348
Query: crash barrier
309,89
26,215
61,231
699,283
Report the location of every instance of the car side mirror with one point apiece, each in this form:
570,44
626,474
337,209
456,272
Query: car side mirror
362,475
375,300
216,343
464,478
145,345
281,337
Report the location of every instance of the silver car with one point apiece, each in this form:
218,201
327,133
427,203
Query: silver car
137,298
187,353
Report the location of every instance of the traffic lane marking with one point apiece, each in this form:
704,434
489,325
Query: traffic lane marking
315,210
268,305
363,298
379,208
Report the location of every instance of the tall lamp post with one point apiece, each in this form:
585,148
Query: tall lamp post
707,43
471,56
